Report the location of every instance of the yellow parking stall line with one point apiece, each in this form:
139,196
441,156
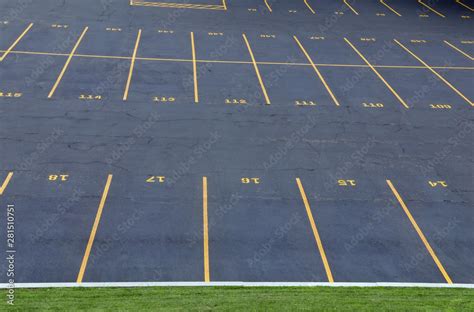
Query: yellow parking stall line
420,232
257,71
430,8
435,73
350,7
132,65
315,231
184,6
5,183
235,62
66,65
459,50
36,53
16,42
465,5
309,6
378,74
90,243
315,68
268,6
205,223
179,5
390,8
195,79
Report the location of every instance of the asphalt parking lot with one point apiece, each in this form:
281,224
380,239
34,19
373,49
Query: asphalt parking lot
260,141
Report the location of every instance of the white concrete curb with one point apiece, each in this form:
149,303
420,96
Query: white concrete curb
227,284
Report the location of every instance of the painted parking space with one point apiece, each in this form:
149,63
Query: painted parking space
172,251
461,80
310,93
220,46
247,245
91,79
170,82
29,75
443,216
50,239
429,92
439,53
162,43
241,85
114,42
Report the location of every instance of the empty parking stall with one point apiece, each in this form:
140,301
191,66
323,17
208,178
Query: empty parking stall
231,75
162,72
150,230
442,53
91,76
259,231
28,74
51,234
445,219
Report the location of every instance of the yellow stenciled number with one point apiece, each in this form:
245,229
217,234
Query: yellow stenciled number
10,94
372,105
346,182
90,97
250,180
440,106
154,179
163,99
55,177
235,101
305,103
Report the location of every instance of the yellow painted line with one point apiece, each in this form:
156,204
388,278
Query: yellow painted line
350,7
132,65
82,270
224,5
430,8
390,8
268,6
465,5
435,72
319,243
205,223
317,71
36,53
196,90
66,65
309,6
264,90
237,62
179,5
5,183
164,59
459,50
420,233
15,42
377,73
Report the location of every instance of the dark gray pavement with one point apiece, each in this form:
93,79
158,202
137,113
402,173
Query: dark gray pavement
204,152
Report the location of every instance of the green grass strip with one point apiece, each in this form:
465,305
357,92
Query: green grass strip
242,299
